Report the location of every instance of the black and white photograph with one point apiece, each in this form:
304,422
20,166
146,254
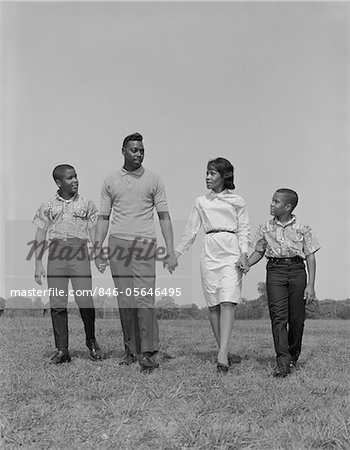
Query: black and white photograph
175,197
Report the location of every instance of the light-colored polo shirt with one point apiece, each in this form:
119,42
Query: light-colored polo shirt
129,199
67,218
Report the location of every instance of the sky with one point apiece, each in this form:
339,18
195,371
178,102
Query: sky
263,84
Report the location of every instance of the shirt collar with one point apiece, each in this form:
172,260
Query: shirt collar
75,197
137,173
218,194
290,222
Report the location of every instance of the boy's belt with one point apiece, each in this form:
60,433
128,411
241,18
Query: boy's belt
287,260
220,231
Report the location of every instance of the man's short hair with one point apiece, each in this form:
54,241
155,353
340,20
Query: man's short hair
291,196
59,171
132,137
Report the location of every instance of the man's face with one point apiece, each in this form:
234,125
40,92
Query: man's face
69,182
133,155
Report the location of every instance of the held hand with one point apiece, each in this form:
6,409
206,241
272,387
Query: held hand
309,294
170,262
101,264
239,265
39,272
242,264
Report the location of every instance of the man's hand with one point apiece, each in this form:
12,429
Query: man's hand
101,263
242,264
309,294
170,262
39,272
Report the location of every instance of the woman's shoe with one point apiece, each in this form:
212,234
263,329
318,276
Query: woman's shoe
221,368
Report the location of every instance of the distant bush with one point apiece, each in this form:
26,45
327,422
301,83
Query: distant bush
167,309
2,305
312,310
106,306
252,310
344,312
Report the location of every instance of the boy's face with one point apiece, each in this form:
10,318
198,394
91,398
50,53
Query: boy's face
279,205
69,182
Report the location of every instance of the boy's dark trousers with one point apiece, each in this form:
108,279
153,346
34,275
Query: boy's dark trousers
285,285
68,259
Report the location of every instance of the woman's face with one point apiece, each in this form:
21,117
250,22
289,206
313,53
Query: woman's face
214,180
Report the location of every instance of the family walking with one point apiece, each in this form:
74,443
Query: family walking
128,199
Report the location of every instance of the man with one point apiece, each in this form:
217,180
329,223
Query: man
69,219
128,199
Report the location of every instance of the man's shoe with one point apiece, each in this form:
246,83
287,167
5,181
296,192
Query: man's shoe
148,363
95,351
281,370
128,360
61,356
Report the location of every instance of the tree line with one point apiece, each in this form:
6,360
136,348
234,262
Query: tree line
168,309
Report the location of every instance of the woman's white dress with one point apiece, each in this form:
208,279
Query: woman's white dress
221,280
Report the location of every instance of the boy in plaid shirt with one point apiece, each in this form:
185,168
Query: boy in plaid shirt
287,244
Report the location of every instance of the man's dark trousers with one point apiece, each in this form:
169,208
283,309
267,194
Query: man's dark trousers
133,270
68,259
285,285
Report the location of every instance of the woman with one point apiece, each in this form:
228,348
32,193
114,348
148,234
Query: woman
224,218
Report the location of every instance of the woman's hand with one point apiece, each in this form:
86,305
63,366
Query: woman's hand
242,264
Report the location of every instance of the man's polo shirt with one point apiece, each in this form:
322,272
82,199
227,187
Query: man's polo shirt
67,218
129,198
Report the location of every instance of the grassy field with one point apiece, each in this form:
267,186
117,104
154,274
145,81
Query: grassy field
183,404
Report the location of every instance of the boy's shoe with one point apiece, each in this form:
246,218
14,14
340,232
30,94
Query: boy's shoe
95,350
61,356
294,365
281,370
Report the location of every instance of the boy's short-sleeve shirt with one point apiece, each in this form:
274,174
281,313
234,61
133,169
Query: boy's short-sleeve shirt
287,240
64,219
129,198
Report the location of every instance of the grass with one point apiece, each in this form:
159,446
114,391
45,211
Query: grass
183,404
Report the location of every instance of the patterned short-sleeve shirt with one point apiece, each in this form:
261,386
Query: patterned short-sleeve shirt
64,219
287,240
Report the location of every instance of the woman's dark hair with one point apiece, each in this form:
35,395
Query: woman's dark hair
225,169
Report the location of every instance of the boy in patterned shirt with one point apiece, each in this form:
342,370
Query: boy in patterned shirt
69,220
286,243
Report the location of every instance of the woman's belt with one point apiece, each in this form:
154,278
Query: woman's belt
220,231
